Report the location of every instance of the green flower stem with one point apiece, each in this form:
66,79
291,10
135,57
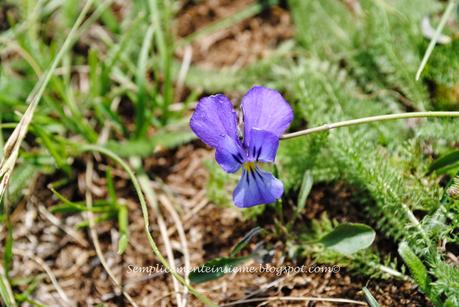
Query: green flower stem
366,120
143,204
433,42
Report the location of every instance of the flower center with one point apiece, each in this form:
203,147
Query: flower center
249,166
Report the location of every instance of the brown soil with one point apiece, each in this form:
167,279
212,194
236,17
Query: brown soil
238,45
211,232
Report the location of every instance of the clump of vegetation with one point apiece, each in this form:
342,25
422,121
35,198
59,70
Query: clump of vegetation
365,65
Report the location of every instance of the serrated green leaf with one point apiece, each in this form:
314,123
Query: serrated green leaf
417,268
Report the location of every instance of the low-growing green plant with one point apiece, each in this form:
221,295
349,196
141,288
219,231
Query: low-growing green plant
364,65
117,90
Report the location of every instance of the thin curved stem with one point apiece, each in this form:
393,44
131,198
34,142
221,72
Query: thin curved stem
294,299
143,205
371,119
433,42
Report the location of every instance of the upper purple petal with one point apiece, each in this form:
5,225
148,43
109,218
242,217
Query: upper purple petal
213,119
263,145
265,109
257,187
230,155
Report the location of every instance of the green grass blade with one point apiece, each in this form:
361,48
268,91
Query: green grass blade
160,18
245,240
305,189
434,40
5,290
8,251
110,186
123,227
11,149
142,99
372,302
53,149
444,161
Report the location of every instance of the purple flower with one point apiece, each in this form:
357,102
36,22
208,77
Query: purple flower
266,116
